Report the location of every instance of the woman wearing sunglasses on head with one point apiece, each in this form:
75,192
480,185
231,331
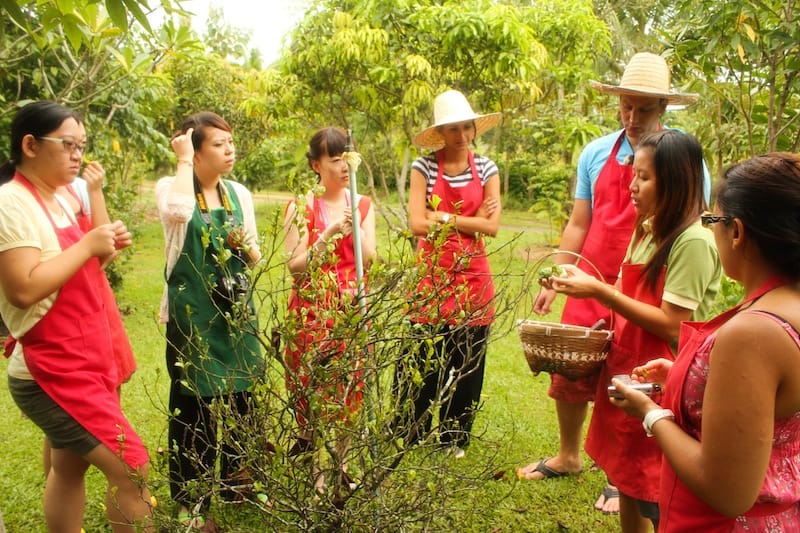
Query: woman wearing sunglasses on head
730,432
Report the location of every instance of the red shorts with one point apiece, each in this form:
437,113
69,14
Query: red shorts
579,391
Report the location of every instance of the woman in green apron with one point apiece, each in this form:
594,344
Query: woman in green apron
212,349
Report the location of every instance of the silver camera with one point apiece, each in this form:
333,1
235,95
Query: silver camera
647,388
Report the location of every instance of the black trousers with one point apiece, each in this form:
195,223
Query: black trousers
452,370
193,440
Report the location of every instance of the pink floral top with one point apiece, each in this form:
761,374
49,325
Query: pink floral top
782,481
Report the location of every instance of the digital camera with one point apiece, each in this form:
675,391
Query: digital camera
230,288
647,388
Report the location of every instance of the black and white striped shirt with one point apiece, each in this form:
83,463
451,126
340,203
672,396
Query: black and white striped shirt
428,166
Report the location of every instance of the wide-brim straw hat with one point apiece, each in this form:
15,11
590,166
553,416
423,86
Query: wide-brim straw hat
646,75
451,107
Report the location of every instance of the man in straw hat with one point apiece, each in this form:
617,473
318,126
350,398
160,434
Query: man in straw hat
457,192
599,228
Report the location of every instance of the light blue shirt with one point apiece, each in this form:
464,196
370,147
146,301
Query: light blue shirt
594,156
81,188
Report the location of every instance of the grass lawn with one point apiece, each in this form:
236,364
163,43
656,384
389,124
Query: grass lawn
516,411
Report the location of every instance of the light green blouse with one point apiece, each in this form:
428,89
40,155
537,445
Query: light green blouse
693,269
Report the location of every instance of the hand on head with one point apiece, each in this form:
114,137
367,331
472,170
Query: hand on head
181,144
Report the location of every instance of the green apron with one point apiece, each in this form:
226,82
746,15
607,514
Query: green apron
216,354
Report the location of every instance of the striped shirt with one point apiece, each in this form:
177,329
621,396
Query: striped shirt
428,166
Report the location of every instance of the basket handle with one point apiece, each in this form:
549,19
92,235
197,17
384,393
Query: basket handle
579,257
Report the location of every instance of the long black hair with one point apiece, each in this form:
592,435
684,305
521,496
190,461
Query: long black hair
678,165
37,119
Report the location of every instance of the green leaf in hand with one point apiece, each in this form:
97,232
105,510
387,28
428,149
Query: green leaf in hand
555,270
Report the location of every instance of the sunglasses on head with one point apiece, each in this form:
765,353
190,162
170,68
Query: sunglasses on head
708,219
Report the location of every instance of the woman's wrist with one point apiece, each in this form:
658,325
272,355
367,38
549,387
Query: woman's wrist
610,300
187,162
320,245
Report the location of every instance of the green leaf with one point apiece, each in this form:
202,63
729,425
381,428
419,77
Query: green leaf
118,13
123,61
73,32
11,8
134,6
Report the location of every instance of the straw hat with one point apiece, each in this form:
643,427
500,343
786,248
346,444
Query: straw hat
452,107
646,75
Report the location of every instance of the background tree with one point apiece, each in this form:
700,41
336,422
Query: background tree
745,59
376,67
543,140
99,59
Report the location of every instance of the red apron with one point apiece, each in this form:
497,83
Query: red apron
680,509
312,334
457,275
616,441
68,353
123,352
613,217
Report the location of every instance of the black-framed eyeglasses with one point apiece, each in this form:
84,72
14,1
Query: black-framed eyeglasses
707,219
69,146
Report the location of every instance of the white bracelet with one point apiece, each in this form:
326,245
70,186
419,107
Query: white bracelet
654,416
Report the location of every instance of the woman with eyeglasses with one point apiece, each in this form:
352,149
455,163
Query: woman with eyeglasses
730,426
671,273
61,372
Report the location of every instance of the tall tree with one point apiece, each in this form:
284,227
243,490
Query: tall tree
376,67
745,57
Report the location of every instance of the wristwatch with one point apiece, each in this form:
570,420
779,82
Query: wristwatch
445,218
654,416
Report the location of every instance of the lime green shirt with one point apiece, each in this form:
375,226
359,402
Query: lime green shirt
693,269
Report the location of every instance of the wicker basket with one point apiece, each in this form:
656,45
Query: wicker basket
572,351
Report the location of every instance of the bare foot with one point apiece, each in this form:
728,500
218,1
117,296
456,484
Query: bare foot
608,501
547,468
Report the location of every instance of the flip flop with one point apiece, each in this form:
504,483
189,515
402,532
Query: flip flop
609,493
542,468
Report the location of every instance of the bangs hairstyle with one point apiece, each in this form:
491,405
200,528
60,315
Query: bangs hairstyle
201,121
330,141
764,193
678,165
38,119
